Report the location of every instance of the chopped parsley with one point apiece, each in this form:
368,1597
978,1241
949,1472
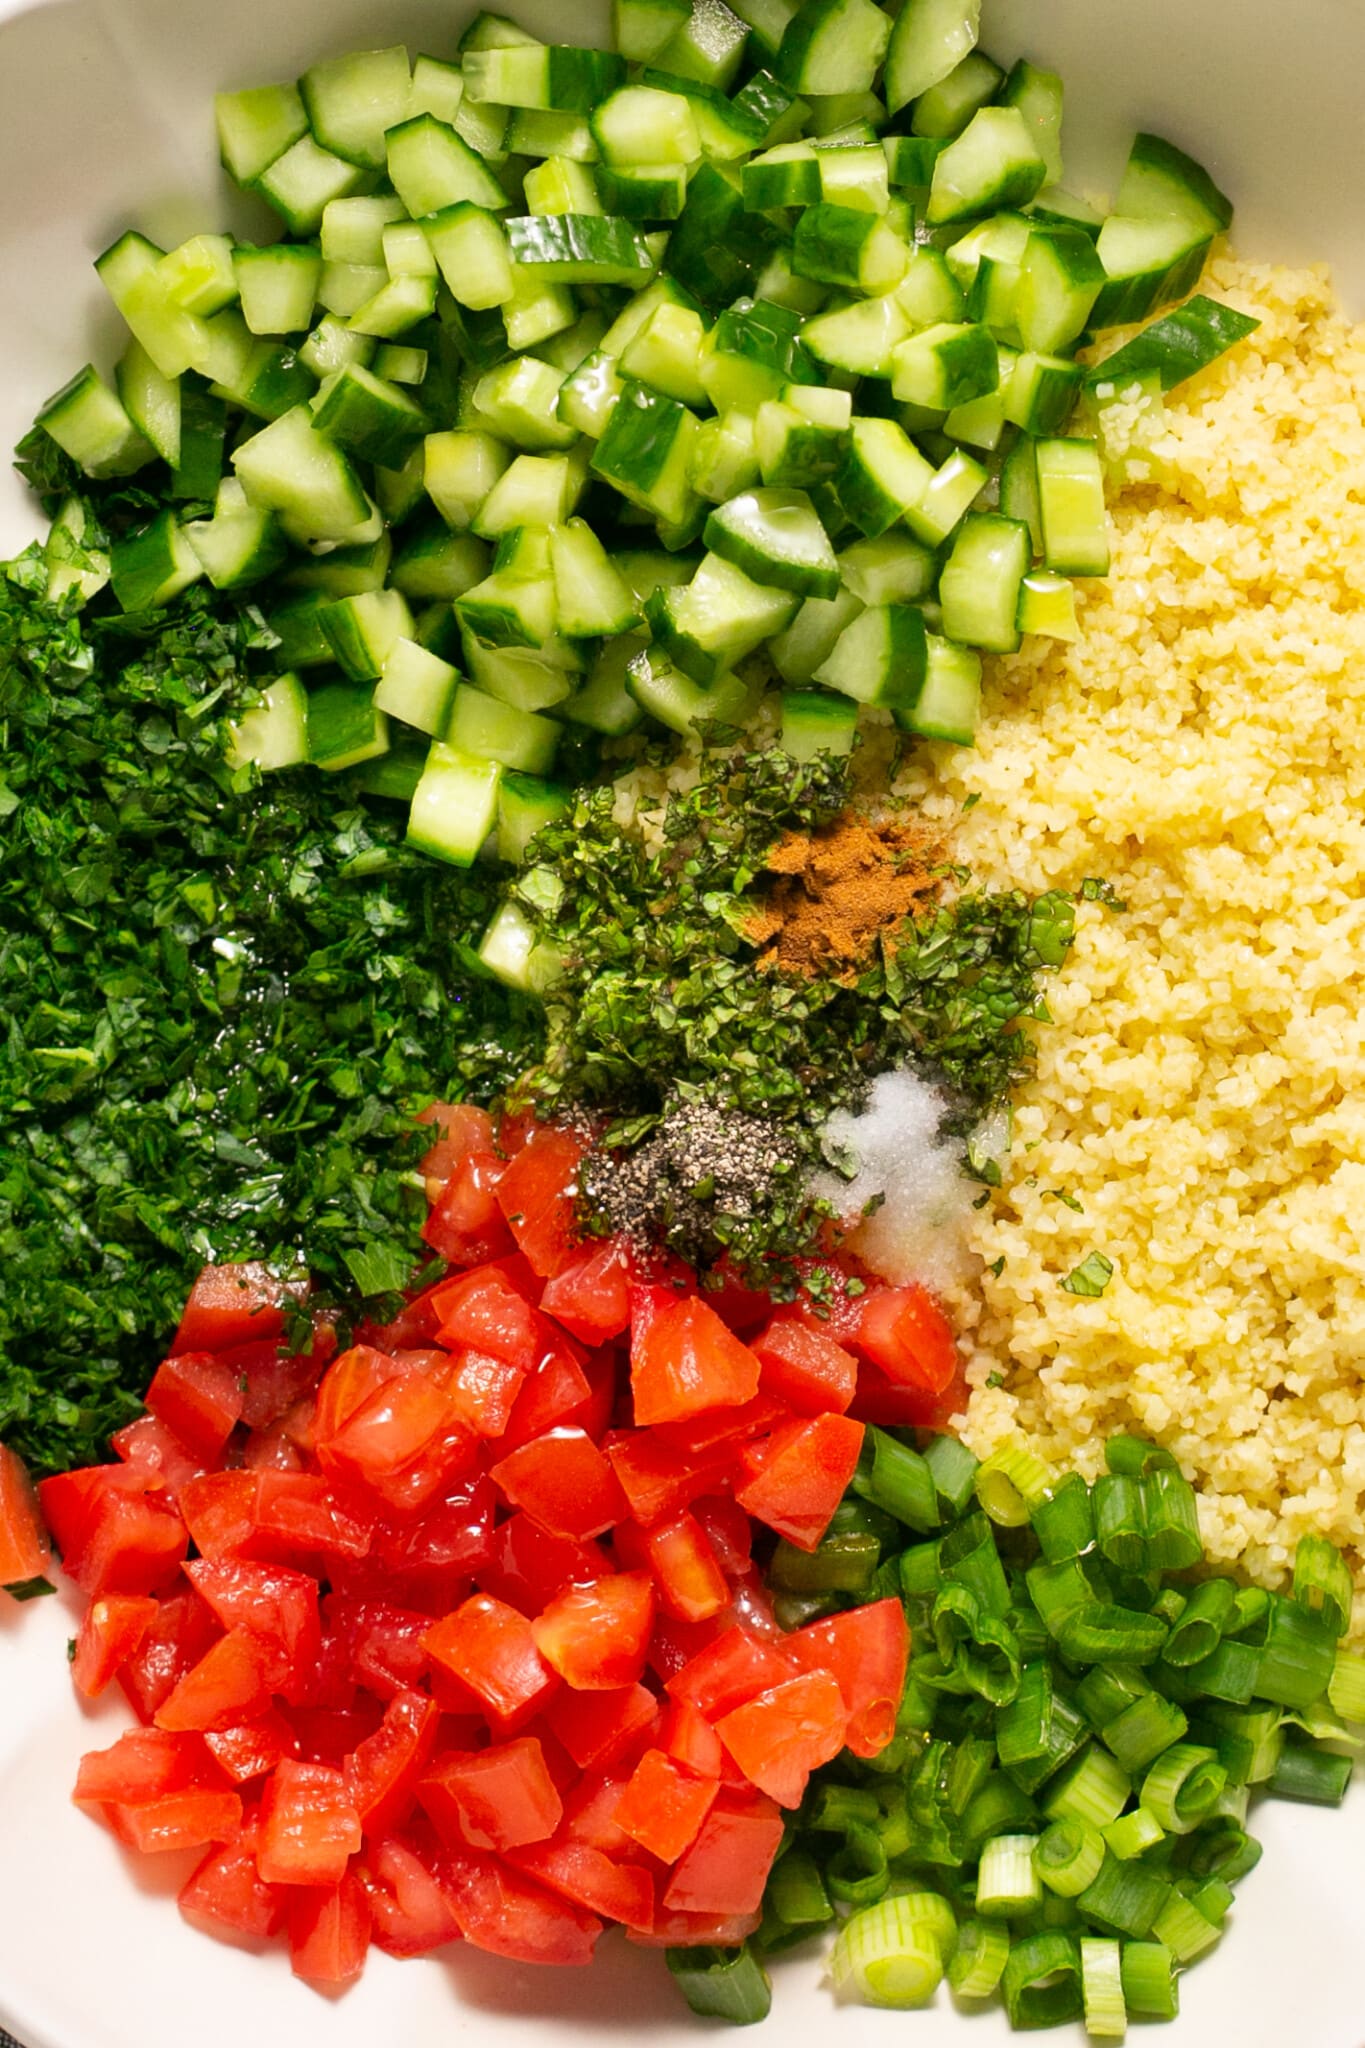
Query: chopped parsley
1091,1277
1094,889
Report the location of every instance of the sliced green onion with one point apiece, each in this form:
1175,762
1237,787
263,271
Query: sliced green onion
1124,1899
1138,1590
982,1651
1143,1730
972,1762
1011,1483
887,1956
1042,1982
1183,1785
1105,1630
796,1891
931,1910
1063,1732
1106,2015
1298,1656
1222,1848
1171,1512
837,1808
1213,1897
794,1610
1007,1881
896,1478
1249,1610
1134,1456
1000,1807
968,1555
983,1950
1346,1688
1063,1523
1183,1928
1322,1582
1030,1630
1230,1672
920,1571
1306,1772
1199,1630
1149,1986
894,1830
1132,1834
1169,1605
1117,1501
1068,1857
954,1470
840,1564
1059,1591
1094,1788
1107,1692
856,1873
1248,1741
723,1983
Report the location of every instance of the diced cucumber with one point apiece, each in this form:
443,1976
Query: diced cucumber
277,286
151,402
431,168
948,706
604,704
1147,264
494,731
198,275
394,776
353,101
526,805
708,46
994,163
290,468
910,161
150,568
1161,183
717,246
792,447
75,566
345,727
456,805
639,192
944,111
535,490
1019,489
677,701
725,459
775,114
555,76
237,548
666,354
533,681
559,185
432,562
518,402
364,630
490,31
572,346
417,687
861,339
854,175
506,610
400,304
1047,605
344,572
813,724
536,311
130,271
929,293
641,125
1059,209
579,248
331,345
879,658
588,396
1071,507
768,21
884,476
813,635
646,570
274,733
1060,278
1038,96
833,46
714,621
514,953
726,129
368,416
461,468
788,175
749,355
979,587
300,183
929,39
257,126
401,364
645,453
946,365
893,569
1041,391
838,245
775,537
1004,237
470,247
437,88
536,132
641,28
303,644
592,600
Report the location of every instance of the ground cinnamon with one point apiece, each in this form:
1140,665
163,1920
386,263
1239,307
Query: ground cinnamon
834,893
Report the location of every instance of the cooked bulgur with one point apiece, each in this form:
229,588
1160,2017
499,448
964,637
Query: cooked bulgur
1200,1097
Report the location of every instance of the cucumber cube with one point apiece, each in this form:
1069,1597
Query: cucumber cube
456,805
946,365
813,724
417,687
494,731
345,726
879,658
274,733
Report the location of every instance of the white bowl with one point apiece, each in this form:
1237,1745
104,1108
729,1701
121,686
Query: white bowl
104,123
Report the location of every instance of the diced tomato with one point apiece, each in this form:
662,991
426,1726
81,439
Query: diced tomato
558,1391
226,1687
795,1480
111,1630
867,1650
483,1390
509,1915
596,1636
739,1307
157,1792
242,1304
349,1381
409,1913
403,1446
114,1529
177,1637
329,1932
384,1644
309,1826
727,1429
330,1735
697,1930
664,1805
906,1335
902,1407
727,1866
686,1573
151,1447
272,1450
727,1531
686,1361
588,1877
590,1295
228,1898
275,1381
734,1668
199,1399
492,1650
382,1772
779,1737
656,1479
269,1517
563,1482
688,1737
528,1567
276,1606
537,1194
485,1312
464,1225
597,1728
804,1367
254,1749
459,1128
496,1798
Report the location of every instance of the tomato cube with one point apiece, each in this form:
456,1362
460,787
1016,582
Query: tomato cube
804,1367
154,1450
596,1636
597,1728
563,1482
254,1749
226,1687
228,1898
697,1930
199,1399
177,1636
688,1737
309,1826
726,1868
658,1480
590,1295
485,1312
588,1877
779,1737
496,1798
664,1805
114,1529
492,1649
558,1391
458,1129
734,1668
483,1390
111,1630
277,1607
383,1772
906,1335
158,1791
538,1194
867,1651
349,1381
528,1567
686,1361
241,1304
685,1568
465,1226
409,1913
510,1915
796,1478
329,1932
